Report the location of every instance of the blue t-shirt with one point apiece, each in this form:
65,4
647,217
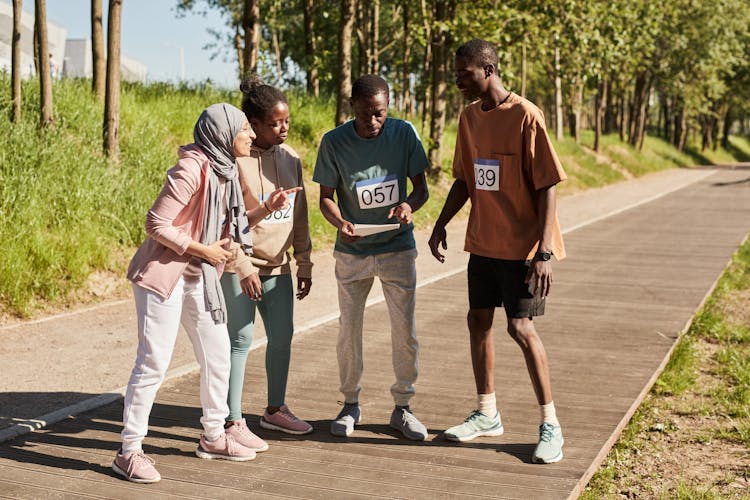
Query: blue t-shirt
370,176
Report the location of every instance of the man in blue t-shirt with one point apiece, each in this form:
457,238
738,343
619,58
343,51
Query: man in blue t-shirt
365,163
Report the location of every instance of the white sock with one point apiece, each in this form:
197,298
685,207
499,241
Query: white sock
487,404
548,413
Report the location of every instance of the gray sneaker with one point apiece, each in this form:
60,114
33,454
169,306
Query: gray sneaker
477,424
344,424
404,421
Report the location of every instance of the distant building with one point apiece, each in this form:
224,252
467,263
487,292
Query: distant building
55,39
79,62
71,58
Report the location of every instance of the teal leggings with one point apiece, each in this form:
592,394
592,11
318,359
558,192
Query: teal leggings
277,310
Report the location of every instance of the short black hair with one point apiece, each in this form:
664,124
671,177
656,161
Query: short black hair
369,86
479,52
258,99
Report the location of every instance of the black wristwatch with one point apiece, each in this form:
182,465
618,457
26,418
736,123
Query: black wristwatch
543,256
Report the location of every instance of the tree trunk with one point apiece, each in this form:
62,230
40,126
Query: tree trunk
362,30
610,110
576,102
427,71
439,85
276,51
15,71
666,111
36,47
558,98
313,83
375,38
251,27
599,105
346,23
523,67
719,121
676,125
112,93
726,129
45,77
639,109
238,49
405,83
681,131
643,114
99,63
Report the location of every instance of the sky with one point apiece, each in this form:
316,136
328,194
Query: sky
154,35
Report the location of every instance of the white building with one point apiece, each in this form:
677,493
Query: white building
55,35
79,62
72,58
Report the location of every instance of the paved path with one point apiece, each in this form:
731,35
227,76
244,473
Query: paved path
643,255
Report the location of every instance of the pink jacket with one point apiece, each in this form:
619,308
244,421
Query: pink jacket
175,219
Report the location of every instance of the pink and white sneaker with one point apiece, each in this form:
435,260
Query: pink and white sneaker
136,466
224,448
240,432
285,421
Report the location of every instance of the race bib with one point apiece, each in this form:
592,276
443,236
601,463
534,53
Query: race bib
378,192
282,215
487,174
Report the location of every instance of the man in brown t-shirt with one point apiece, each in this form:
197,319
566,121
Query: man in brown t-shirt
504,162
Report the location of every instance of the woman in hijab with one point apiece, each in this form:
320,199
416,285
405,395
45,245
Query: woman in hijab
197,223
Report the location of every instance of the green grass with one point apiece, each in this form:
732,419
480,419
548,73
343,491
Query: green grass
66,211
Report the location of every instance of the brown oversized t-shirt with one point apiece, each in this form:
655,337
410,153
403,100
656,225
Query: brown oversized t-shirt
504,155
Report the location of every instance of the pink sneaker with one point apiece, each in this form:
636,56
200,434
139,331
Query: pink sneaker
224,448
285,421
239,431
136,466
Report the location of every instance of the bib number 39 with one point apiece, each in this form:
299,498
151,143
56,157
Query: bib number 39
378,192
487,174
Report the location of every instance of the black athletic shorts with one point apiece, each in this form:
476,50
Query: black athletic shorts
495,283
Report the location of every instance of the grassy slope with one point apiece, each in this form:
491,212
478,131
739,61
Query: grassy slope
67,212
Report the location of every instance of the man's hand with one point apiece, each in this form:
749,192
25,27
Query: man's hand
347,232
402,212
438,237
252,287
539,277
303,287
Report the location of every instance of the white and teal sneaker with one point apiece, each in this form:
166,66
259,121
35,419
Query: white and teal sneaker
549,449
477,424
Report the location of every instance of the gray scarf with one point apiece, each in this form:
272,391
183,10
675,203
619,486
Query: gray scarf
215,132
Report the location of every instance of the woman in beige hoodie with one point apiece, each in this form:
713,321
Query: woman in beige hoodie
272,165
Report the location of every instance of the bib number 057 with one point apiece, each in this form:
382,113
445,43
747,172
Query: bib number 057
378,192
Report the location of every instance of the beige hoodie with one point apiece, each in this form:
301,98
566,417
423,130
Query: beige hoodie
261,173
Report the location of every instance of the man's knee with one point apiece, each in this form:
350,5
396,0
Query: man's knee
479,320
522,330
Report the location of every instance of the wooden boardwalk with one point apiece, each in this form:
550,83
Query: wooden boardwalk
630,286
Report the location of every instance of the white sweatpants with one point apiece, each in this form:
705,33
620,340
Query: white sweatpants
398,278
158,322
